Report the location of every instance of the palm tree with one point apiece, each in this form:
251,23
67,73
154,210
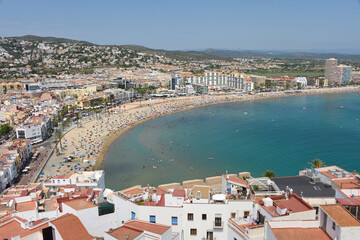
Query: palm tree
58,137
269,174
317,163
56,146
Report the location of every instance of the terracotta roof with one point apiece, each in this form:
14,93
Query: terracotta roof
300,233
132,191
293,204
237,180
348,201
26,206
340,215
147,226
347,183
62,176
70,228
179,193
125,231
79,204
13,228
161,190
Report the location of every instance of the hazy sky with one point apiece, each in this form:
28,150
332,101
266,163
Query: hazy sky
190,24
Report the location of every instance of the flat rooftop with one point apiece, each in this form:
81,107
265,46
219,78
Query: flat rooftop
340,215
302,184
300,233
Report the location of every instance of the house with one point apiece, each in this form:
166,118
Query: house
339,223
141,230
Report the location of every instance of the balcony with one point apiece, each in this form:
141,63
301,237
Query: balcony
218,224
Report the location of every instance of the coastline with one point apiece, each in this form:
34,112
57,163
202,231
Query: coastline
92,141
107,143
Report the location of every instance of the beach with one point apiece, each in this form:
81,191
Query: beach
88,144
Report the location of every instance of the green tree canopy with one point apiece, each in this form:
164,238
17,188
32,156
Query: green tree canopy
269,174
317,163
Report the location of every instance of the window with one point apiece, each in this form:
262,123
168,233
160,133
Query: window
152,219
190,216
333,225
133,215
204,217
193,231
198,194
174,221
218,222
233,215
246,214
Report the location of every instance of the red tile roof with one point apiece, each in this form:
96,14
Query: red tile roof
13,228
70,228
300,233
348,201
179,193
26,206
124,232
340,215
79,204
147,226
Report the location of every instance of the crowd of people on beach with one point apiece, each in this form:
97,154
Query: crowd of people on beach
86,144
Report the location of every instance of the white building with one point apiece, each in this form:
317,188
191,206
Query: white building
87,179
34,132
191,220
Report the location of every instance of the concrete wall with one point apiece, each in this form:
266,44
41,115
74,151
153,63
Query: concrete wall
213,180
171,186
191,183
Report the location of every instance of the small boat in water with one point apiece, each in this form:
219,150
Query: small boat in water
210,158
155,166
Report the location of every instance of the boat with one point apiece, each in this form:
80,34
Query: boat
155,166
210,158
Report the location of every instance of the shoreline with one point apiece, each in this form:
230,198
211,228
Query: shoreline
107,143
92,141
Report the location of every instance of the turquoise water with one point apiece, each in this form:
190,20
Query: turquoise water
280,134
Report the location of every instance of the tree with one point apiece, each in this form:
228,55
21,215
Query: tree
5,129
269,174
317,163
56,146
58,137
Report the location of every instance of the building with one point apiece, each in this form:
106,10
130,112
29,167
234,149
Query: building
314,192
6,87
200,88
338,222
343,74
88,179
330,70
141,230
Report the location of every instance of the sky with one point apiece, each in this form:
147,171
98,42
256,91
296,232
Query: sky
190,24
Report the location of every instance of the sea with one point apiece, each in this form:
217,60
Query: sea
278,134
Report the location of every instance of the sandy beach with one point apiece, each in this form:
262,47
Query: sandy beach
88,144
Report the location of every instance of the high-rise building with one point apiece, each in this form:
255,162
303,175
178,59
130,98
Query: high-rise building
343,74
173,83
330,70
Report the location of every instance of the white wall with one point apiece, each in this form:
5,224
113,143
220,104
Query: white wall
95,224
268,235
